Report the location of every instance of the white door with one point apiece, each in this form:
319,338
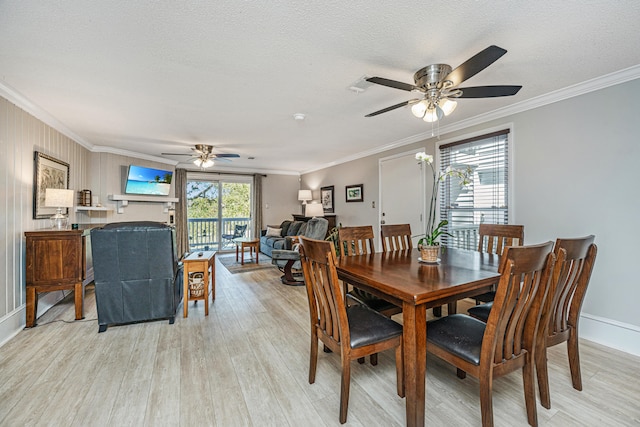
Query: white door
402,195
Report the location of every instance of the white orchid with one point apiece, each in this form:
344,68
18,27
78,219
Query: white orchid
434,231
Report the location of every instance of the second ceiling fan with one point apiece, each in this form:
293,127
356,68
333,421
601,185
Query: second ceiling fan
203,155
438,85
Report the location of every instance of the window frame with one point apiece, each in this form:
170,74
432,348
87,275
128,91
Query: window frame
480,135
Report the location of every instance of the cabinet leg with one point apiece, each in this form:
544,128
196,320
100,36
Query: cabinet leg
32,306
78,291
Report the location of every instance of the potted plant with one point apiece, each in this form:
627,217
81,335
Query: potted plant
428,244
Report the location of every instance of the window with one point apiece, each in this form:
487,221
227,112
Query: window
485,200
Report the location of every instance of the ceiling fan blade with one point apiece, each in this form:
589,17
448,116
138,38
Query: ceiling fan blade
393,107
225,155
488,91
178,154
475,64
391,83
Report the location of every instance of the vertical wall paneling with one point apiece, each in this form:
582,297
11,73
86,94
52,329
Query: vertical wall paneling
20,135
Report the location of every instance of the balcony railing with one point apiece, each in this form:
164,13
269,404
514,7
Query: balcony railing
203,232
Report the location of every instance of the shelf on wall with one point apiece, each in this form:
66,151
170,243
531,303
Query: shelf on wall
138,198
92,208
124,199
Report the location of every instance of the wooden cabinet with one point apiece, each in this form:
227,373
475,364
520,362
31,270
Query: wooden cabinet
330,218
57,260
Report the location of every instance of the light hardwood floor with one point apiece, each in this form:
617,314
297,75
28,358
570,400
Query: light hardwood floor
246,364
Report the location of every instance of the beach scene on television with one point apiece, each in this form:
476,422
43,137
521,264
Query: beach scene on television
149,181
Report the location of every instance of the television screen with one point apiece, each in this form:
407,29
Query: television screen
148,181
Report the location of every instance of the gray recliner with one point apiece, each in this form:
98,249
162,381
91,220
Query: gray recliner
288,259
136,272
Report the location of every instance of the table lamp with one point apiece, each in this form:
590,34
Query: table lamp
314,209
304,196
60,199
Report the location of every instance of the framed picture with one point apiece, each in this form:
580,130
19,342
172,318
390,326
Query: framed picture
353,193
48,173
326,196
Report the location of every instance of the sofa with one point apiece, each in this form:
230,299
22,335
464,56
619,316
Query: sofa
137,274
274,237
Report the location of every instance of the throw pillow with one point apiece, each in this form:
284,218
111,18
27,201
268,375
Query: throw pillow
273,232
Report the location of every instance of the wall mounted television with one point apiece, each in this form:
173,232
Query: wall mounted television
148,181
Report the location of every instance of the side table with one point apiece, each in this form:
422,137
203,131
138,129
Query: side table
244,242
200,262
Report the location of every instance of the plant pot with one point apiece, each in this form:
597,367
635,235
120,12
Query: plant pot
429,253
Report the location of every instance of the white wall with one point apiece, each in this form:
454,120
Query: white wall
575,173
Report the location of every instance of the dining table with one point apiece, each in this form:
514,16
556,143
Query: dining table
402,278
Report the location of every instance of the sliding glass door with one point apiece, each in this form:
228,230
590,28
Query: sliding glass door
214,208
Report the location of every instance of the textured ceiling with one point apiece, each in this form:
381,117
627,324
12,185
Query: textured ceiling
157,76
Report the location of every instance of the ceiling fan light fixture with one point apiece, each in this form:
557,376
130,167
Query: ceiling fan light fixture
433,114
203,163
447,106
418,109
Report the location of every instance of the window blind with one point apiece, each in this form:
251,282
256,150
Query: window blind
485,199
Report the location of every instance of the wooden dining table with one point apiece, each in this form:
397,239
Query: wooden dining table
401,278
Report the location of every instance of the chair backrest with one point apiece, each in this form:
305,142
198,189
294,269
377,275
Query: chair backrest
396,237
356,240
326,305
239,230
316,228
574,263
499,236
514,319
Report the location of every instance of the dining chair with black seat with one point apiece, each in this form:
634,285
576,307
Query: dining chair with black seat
575,260
353,332
396,237
507,341
358,240
493,239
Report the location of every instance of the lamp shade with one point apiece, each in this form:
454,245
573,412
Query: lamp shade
304,195
58,198
314,209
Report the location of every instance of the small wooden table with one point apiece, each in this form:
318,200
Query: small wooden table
200,262
244,242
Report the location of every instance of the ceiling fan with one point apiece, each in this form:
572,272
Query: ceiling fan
203,155
437,83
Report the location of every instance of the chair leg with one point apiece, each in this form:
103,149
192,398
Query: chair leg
344,389
361,360
437,311
452,308
528,379
543,376
574,359
461,374
313,358
486,399
373,359
400,371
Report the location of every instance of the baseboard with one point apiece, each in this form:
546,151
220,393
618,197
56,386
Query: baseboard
611,333
15,321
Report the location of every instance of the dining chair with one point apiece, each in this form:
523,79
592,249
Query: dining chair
574,263
358,240
493,239
506,342
396,237
353,332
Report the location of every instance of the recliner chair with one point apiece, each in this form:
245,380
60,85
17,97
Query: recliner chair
136,271
288,259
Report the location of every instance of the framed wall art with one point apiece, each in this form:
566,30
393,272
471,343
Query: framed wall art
48,173
354,193
326,196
